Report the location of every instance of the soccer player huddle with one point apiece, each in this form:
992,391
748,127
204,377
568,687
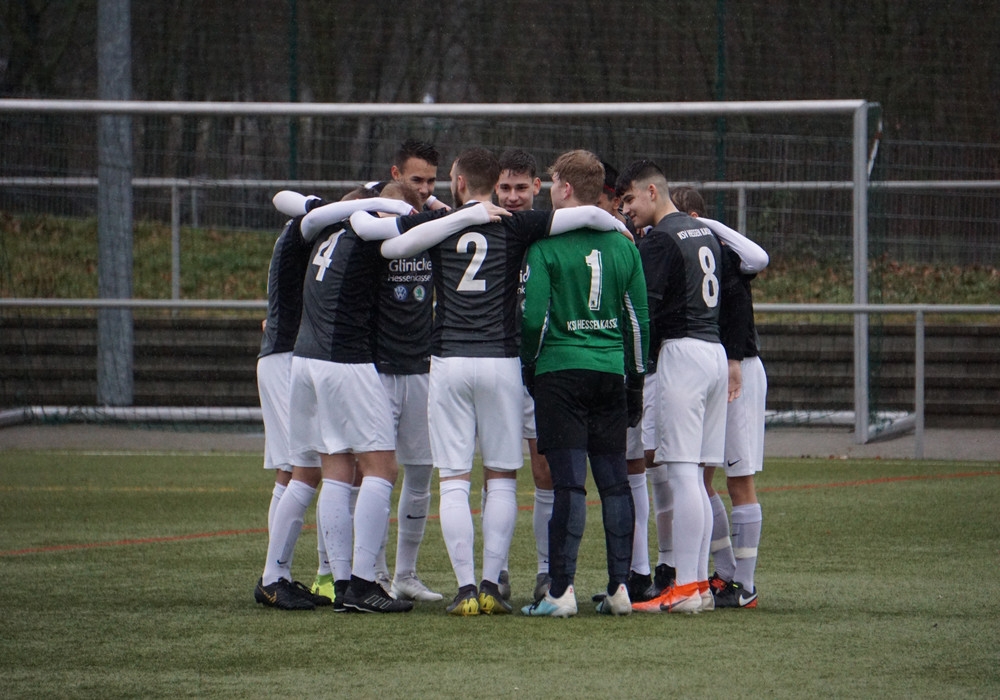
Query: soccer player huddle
616,330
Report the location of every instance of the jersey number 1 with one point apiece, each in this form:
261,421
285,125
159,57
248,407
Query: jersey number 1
594,263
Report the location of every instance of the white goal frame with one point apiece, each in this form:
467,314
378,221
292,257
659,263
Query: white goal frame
856,108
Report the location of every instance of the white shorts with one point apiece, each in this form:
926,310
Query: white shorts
475,395
407,394
643,436
274,378
650,410
337,408
745,422
528,429
692,389
633,443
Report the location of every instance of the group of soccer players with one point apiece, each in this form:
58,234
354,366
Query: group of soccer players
394,337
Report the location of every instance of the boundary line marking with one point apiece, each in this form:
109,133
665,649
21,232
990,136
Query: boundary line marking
256,531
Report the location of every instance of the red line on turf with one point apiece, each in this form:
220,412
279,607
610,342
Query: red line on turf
259,530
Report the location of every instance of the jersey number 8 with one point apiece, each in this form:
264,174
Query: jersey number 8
709,283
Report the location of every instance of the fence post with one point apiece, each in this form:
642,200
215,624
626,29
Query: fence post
175,244
194,206
918,391
741,211
115,331
862,420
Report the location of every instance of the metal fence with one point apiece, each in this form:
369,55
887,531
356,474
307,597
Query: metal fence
796,195
928,202
879,425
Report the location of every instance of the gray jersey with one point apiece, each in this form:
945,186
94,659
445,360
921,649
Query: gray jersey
338,301
405,314
681,260
284,290
476,275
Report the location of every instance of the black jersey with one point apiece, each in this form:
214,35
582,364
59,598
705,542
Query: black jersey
405,313
338,299
476,275
680,259
405,316
736,325
284,290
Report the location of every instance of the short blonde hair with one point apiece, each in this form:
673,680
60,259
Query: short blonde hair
584,171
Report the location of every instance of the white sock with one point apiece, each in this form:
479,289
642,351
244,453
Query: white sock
640,543
689,518
706,530
275,497
544,499
338,526
747,521
482,509
380,560
284,533
414,505
371,520
722,546
663,508
499,519
457,529
323,568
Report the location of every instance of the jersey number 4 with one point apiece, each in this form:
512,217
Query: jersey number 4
324,254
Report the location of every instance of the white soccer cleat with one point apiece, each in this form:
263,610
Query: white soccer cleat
617,604
707,599
409,587
383,580
563,606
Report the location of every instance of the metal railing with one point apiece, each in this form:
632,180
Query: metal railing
855,109
919,311
192,186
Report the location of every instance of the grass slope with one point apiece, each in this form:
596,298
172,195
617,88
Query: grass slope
44,256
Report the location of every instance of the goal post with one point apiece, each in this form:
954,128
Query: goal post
857,109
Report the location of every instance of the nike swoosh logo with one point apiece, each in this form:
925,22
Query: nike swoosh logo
735,461
270,597
415,517
282,563
745,601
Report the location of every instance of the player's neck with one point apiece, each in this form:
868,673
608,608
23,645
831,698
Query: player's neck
478,197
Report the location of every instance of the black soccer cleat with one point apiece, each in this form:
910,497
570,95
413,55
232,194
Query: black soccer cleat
339,593
716,583
734,595
369,597
639,587
663,578
490,600
314,598
281,595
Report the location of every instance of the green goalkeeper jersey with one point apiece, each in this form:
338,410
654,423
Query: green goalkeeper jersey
585,305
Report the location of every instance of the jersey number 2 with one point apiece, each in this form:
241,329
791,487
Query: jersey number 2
469,283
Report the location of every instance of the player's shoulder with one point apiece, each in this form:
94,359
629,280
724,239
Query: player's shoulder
527,218
405,223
